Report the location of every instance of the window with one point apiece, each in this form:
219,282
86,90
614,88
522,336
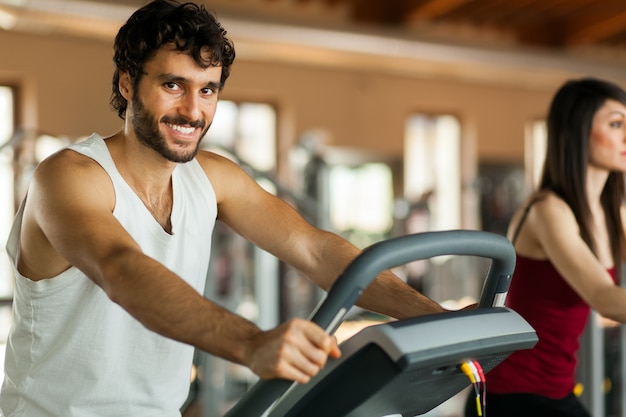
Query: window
7,210
247,130
432,168
433,201
535,151
361,199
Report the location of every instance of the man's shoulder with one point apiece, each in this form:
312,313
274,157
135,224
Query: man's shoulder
68,163
213,161
67,158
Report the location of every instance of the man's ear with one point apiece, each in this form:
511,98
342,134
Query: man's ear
125,85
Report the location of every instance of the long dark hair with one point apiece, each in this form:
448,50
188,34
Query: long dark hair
188,27
570,120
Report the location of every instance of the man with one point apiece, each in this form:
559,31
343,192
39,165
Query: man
111,245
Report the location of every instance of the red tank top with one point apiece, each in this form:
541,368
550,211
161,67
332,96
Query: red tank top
540,295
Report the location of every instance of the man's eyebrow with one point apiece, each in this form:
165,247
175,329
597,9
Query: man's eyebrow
214,85
171,77
178,79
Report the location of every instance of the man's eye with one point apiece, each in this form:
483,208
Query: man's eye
171,85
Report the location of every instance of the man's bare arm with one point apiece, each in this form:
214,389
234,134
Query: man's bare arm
320,255
69,218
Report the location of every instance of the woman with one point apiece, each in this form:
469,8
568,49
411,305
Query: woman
569,239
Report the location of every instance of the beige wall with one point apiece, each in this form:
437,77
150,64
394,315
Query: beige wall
369,109
66,82
65,85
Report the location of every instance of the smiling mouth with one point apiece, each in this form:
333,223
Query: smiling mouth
185,130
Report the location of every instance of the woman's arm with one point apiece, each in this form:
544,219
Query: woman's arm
552,230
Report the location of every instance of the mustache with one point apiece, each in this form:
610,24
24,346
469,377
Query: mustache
180,120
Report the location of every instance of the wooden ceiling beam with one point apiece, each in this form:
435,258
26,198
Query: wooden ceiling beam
403,11
431,9
588,31
377,11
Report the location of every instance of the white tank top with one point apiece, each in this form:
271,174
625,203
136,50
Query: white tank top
72,351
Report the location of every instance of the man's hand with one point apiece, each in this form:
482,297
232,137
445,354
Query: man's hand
296,350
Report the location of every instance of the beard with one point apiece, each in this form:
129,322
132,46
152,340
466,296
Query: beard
147,130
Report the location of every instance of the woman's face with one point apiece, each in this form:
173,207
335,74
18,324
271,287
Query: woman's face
607,142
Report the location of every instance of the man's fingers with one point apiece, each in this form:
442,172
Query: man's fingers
334,352
296,350
306,348
301,367
322,340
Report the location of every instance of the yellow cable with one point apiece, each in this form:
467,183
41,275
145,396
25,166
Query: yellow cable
468,371
478,408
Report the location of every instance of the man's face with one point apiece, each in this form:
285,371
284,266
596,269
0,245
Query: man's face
174,104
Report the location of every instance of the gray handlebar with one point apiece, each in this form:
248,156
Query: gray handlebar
385,255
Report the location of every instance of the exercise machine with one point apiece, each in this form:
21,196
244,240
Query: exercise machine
410,366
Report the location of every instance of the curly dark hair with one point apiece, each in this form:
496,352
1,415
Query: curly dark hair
187,26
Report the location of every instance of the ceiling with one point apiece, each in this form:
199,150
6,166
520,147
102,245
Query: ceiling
579,34
553,24
546,23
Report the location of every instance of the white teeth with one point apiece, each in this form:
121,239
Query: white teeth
182,129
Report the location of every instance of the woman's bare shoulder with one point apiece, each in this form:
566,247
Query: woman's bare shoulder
541,212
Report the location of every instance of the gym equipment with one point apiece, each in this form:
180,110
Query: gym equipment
410,366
